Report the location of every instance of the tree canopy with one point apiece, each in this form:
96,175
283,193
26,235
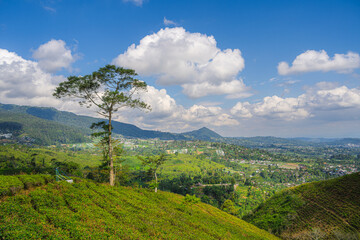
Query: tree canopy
108,89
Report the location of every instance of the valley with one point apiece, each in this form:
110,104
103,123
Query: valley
235,175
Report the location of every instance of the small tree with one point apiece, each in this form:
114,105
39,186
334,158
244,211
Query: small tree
108,89
153,162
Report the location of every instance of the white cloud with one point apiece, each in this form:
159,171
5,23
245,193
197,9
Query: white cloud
334,98
311,61
53,56
192,60
277,107
233,89
23,82
136,2
167,115
242,110
323,97
168,22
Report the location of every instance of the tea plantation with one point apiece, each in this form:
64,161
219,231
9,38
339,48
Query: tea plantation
37,207
320,210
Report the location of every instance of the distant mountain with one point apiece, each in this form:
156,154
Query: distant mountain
204,134
320,210
83,123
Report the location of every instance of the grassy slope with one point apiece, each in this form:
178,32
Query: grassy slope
86,210
328,209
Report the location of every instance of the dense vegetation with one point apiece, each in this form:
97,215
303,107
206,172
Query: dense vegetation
33,130
15,159
320,210
85,210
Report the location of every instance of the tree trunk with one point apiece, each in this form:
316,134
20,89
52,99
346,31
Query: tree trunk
155,182
112,175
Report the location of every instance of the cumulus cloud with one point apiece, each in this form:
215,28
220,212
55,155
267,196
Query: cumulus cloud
277,107
311,61
242,110
335,98
167,115
192,60
323,97
22,81
233,89
54,56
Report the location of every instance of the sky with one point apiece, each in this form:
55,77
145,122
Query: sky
241,68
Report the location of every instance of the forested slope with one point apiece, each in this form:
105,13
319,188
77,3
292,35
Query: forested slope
42,131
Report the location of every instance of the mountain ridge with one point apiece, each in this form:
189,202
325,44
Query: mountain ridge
83,123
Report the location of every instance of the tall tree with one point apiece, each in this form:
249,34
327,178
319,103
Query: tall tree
108,89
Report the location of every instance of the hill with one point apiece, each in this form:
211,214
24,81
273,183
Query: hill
204,134
82,123
320,210
85,210
28,128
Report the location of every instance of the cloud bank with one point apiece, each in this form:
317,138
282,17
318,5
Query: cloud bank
311,61
322,97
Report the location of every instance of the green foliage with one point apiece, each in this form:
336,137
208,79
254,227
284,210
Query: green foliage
190,199
229,207
85,210
32,129
332,206
15,159
10,185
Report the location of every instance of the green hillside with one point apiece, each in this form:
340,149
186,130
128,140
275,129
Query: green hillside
320,210
30,128
83,123
85,210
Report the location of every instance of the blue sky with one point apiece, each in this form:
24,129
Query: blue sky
241,68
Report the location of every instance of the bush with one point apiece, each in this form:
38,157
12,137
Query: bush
9,185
